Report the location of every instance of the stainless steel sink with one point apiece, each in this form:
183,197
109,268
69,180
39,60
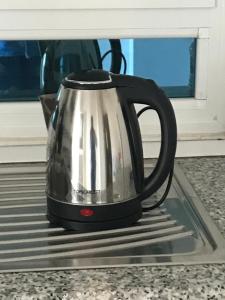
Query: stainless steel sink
180,232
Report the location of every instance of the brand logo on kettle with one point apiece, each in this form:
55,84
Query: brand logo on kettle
85,192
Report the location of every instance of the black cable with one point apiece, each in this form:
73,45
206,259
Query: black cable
143,110
123,57
165,194
170,177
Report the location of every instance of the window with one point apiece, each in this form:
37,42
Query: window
168,61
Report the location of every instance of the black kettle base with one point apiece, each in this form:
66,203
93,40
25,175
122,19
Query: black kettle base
93,218
95,226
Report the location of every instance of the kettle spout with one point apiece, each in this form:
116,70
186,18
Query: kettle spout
49,103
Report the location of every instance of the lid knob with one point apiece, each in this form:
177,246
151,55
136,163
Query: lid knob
88,79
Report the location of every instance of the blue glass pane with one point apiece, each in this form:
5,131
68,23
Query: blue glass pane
168,61
19,70
104,46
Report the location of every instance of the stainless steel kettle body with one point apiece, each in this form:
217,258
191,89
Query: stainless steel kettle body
95,175
89,159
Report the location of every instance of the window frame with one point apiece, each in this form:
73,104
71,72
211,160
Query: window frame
101,4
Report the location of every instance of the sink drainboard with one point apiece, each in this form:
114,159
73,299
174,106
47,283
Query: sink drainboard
180,232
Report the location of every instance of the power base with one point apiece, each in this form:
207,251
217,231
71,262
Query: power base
103,217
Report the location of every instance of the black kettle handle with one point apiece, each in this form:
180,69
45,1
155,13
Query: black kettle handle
141,91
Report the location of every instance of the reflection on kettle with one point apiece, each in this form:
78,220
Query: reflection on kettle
103,185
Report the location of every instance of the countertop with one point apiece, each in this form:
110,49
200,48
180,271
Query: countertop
207,175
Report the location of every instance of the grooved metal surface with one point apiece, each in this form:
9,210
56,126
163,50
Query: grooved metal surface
180,232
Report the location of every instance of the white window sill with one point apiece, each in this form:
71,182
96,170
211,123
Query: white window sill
100,4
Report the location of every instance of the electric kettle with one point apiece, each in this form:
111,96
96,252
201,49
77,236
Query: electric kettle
95,169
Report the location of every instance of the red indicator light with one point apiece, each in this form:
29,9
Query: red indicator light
86,212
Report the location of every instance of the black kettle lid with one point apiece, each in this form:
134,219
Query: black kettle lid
89,80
